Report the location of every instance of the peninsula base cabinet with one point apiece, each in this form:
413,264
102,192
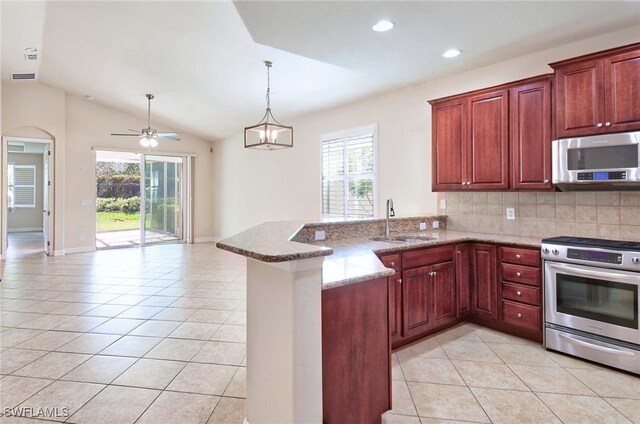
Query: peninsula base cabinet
491,285
356,353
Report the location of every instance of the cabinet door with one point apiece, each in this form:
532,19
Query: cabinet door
415,301
488,142
484,297
622,92
443,294
448,141
395,307
462,280
530,117
579,98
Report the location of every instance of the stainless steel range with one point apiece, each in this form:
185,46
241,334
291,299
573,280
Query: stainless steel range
592,292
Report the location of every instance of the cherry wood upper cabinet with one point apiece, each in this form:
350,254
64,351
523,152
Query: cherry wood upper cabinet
530,123
449,128
598,93
622,91
488,150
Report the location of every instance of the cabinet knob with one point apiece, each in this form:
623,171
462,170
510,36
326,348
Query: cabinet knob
399,280
463,183
519,315
546,181
518,274
519,293
518,256
468,182
393,263
599,125
607,124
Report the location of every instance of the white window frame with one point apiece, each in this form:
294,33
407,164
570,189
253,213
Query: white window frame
344,135
32,186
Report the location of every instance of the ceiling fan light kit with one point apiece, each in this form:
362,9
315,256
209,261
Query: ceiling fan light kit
268,134
149,136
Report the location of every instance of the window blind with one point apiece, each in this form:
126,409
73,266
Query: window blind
348,173
22,186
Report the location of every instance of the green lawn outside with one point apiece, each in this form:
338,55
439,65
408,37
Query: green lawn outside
117,221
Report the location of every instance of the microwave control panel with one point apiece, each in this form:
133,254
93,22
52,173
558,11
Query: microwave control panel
602,176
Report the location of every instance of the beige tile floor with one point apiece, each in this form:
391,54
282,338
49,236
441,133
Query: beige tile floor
157,335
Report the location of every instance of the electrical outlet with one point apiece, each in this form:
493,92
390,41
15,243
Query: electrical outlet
435,224
85,202
321,235
423,226
443,204
511,213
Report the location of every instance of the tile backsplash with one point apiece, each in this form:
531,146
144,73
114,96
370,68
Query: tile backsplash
612,215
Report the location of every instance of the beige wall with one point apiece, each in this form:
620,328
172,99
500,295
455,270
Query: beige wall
255,186
31,109
28,218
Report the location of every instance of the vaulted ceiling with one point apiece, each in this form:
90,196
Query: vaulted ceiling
203,60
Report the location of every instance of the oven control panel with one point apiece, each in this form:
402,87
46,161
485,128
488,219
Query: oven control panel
595,256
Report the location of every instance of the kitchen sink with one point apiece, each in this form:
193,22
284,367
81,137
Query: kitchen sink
402,239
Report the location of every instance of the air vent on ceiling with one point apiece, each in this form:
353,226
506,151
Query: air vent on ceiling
15,147
31,56
23,76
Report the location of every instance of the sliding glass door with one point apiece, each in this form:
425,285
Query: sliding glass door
162,184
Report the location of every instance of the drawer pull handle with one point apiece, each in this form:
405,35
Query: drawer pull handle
518,256
519,293
519,315
393,263
518,274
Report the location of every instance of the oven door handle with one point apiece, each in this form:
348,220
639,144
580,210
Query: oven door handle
583,342
590,272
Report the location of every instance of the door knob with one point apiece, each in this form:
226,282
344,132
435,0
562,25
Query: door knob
599,125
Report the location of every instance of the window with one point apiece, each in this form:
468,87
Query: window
349,173
22,186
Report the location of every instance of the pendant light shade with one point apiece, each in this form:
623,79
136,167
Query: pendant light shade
268,134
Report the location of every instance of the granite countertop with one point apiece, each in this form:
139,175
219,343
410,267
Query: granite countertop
347,261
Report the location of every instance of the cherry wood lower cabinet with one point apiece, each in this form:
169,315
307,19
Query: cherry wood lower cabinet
463,292
484,293
394,283
356,353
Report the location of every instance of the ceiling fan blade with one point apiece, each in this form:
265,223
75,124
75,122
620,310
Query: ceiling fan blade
135,131
129,135
164,137
167,134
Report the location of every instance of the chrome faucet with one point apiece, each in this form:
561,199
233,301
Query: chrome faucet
390,213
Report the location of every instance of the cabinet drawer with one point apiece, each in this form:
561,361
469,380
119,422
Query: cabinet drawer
519,256
521,315
521,274
428,256
392,261
520,293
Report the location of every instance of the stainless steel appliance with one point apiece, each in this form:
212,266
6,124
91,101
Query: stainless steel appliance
592,293
602,162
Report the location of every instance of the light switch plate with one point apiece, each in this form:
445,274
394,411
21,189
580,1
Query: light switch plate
320,235
511,213
423,226
435,224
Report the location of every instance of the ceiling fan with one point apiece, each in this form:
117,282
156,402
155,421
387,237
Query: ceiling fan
149,136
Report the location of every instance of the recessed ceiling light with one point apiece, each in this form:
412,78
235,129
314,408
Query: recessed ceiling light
451,53
383,26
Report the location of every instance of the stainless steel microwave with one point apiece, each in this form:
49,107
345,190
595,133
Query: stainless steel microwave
610,161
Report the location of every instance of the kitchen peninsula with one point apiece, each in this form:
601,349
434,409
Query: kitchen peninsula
325,314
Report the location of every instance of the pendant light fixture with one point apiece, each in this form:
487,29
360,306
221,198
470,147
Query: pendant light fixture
268,133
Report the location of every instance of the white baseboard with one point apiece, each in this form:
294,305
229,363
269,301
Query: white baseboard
79,250
24,229
206,239
59,252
